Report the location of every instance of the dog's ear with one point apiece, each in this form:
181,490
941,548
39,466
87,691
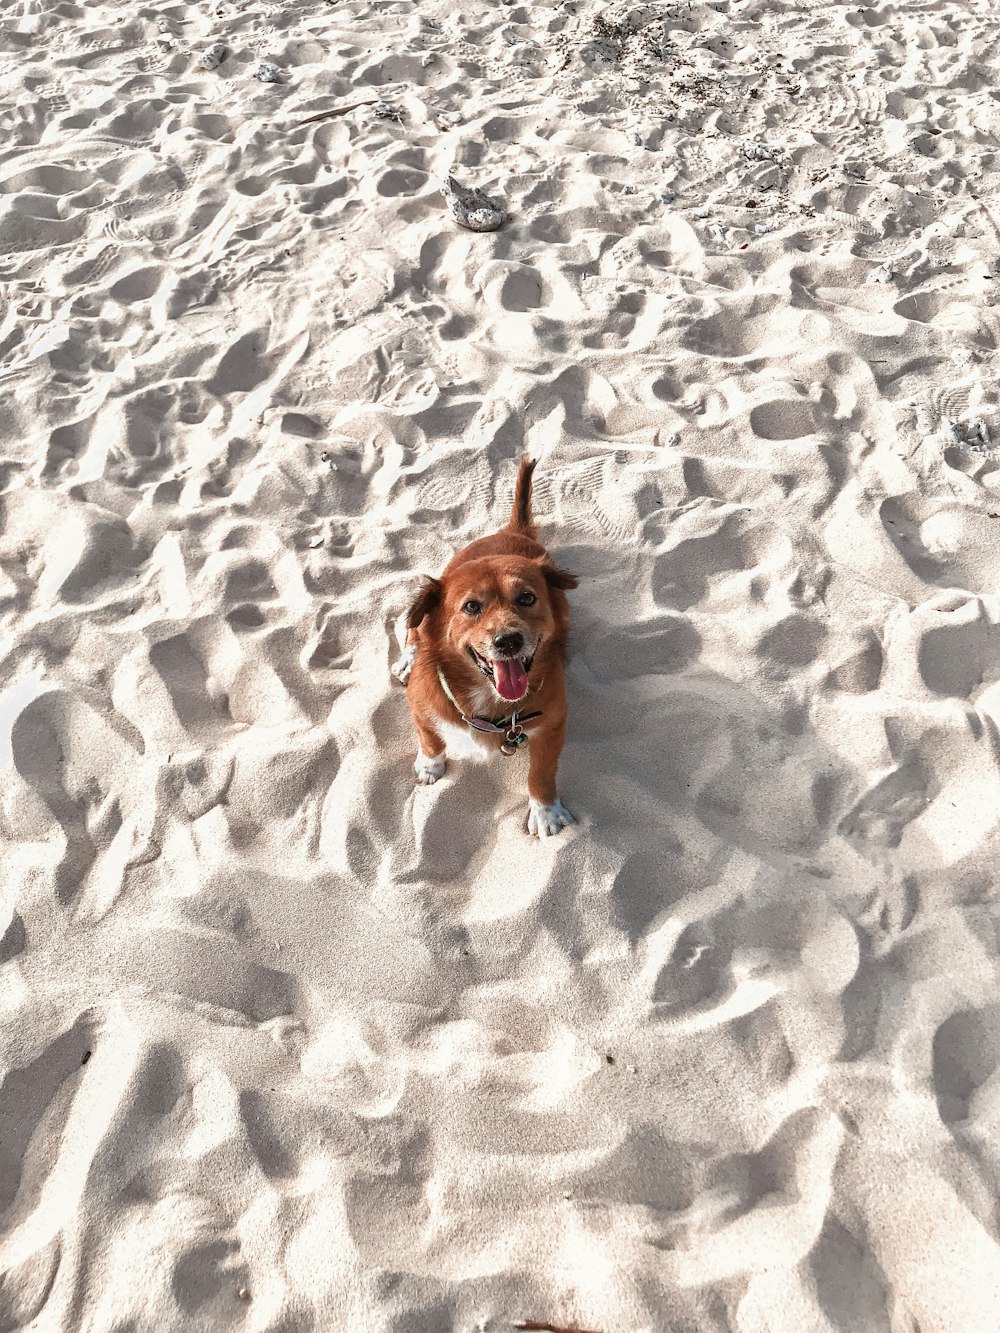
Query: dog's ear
427,600
558,578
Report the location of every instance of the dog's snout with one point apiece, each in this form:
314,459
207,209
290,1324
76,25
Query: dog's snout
509,644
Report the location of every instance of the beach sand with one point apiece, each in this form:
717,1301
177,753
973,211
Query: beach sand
288,1044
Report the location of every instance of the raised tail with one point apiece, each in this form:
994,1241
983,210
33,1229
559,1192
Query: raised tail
520,515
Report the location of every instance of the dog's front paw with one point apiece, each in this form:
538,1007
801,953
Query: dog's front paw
429,768
544,821
401,669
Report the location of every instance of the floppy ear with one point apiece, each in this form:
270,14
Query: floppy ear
559,578
428,599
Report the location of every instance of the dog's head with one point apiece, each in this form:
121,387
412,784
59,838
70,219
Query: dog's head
497,613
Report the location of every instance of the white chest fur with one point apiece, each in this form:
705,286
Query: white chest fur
460,741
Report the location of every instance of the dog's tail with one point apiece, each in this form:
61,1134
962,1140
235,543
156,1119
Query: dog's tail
520,515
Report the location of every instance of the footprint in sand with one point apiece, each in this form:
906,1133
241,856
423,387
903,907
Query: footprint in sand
948,545
965,1063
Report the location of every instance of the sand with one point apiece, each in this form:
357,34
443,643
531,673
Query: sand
288,1044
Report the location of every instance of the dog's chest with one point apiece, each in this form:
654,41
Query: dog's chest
461,742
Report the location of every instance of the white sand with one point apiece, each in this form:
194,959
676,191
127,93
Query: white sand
289,1045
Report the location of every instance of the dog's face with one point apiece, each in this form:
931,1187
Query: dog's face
497,613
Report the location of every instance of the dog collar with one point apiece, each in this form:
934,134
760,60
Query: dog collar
508,727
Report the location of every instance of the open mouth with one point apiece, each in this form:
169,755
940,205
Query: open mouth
507,675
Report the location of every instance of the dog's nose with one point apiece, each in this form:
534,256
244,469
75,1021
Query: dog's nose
508,644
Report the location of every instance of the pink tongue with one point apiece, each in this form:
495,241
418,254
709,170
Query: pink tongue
511,678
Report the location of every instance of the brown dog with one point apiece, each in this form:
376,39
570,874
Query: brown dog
483,663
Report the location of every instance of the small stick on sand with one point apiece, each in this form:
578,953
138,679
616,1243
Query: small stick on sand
336,111
533,1326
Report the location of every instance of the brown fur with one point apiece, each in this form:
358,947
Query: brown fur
494,571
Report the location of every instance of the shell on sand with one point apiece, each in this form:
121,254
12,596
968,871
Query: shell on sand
214,56
472,208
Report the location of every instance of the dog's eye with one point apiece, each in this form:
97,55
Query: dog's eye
527,599
472,608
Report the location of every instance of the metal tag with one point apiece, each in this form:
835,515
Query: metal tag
513,740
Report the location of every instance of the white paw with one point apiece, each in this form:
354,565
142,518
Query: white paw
429,768
544,821
401,669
